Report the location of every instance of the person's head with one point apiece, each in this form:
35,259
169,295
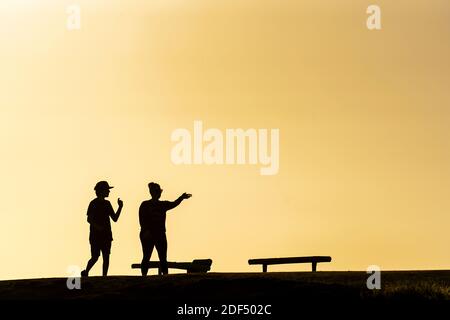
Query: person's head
102,189
155,190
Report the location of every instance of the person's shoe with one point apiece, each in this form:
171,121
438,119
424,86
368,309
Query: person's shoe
84,273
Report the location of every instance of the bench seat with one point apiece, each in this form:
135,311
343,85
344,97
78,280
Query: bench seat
314,260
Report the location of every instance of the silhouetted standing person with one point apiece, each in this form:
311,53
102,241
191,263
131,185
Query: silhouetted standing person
100,236
152,218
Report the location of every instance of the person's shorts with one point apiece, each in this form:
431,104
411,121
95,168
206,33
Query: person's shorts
104,247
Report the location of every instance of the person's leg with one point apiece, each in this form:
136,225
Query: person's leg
105,264
161,247
95,253
106,250
147,249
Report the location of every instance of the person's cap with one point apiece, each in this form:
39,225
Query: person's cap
102,185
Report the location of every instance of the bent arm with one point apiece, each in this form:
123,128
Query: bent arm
115,216
173,204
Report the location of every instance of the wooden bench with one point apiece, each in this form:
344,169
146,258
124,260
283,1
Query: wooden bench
314,260
196,266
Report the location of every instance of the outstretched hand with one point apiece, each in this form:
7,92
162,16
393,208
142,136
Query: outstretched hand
120,202
186,195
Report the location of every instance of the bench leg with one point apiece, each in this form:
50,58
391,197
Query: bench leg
264,267
159,271
314,266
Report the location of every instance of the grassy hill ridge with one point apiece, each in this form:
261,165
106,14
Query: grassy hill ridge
221,287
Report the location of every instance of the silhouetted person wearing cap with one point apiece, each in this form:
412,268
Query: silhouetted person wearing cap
152,218
100,236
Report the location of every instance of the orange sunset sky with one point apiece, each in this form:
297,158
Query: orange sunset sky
363,117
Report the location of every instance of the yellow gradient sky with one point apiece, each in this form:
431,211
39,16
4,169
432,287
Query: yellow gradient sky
363,117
